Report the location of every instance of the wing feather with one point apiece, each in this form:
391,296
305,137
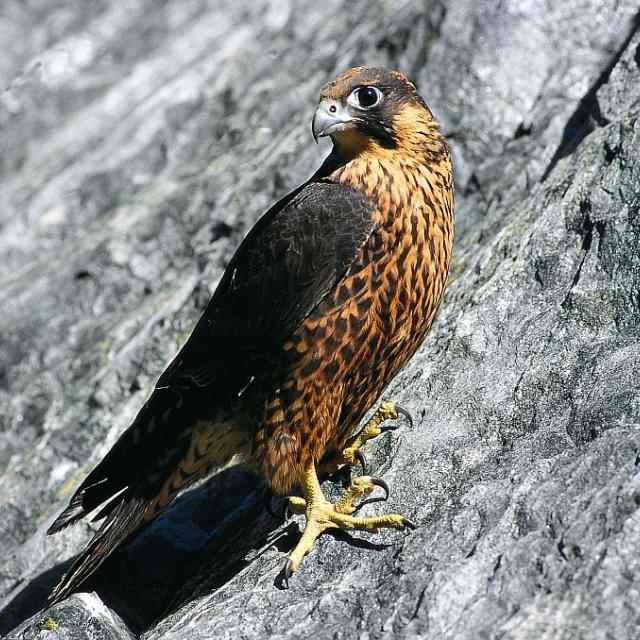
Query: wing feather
292,258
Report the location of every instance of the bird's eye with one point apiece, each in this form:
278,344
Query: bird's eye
366,97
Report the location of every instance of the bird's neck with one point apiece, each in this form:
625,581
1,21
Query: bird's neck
397,180
419,163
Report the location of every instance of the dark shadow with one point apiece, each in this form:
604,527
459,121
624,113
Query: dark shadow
587,116
203,540
291,537
358,543
140,580
222,520
32,598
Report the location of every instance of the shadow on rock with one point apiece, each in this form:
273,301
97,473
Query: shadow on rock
216,525
32,598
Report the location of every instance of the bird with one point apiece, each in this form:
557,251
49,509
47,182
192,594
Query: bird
324,301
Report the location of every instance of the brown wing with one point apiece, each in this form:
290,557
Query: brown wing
282,270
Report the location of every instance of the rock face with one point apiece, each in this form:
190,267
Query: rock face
141,140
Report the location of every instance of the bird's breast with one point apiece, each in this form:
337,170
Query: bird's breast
409,253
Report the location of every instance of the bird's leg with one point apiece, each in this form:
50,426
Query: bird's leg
322,515
351,454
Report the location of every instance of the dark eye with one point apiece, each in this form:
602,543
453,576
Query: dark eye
366,97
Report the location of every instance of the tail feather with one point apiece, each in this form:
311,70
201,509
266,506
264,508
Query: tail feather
125,483
123,520
71,514
107,508
147,436
85,500
162,453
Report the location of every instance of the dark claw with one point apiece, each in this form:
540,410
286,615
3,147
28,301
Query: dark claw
359,456
287,572
378,482
406,414
267,503
408,524
402,412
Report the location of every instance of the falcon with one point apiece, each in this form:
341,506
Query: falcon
327,297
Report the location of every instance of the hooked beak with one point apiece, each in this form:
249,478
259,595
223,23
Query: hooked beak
330,117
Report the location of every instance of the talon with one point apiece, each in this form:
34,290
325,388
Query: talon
386,411
378,482
267,502
400,411
359,456
403,412
287,572
322,515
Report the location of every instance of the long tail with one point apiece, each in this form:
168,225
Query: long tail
127,483
207,446
121,522
151,435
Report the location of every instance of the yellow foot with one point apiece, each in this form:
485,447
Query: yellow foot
322,515
351,454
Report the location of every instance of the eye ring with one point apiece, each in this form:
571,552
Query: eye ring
365,97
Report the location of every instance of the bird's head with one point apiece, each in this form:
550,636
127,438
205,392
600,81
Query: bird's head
372,108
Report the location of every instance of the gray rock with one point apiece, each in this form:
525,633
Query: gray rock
141,140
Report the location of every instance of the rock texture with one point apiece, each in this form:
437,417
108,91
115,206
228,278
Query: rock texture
140,140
